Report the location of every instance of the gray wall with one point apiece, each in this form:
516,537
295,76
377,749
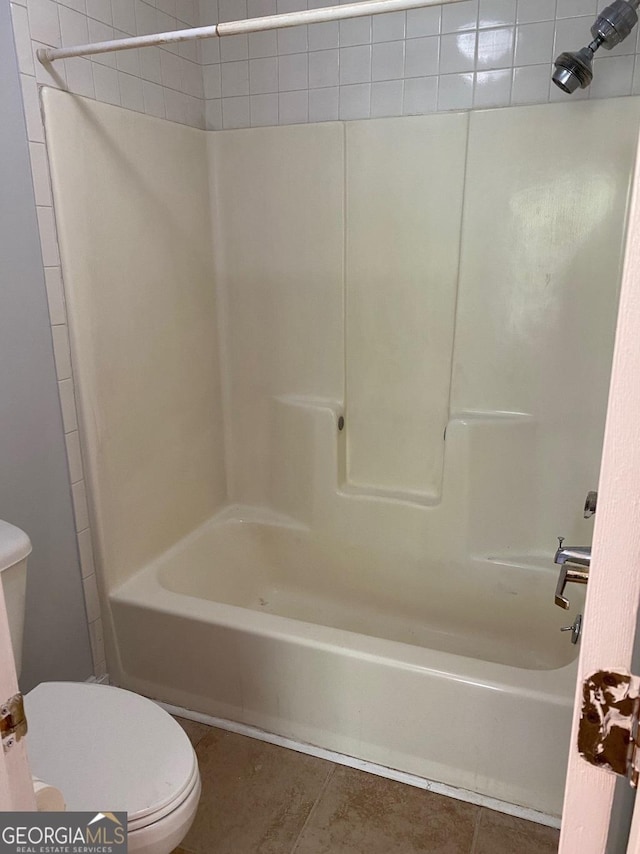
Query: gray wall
34,483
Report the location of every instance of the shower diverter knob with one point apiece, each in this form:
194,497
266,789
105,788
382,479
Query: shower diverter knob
575,629
590,504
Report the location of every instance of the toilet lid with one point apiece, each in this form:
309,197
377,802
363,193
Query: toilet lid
107,749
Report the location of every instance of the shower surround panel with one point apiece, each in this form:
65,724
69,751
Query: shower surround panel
380,585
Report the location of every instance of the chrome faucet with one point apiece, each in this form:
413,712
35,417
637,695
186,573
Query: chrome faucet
576,555
574,562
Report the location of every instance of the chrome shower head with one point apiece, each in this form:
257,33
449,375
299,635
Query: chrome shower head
573,69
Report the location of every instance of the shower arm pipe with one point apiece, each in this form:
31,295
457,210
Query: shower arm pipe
234,28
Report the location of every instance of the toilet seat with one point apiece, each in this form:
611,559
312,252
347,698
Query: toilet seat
138,823
163,836
109,749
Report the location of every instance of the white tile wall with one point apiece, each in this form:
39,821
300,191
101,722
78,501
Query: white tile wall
472,53
476,53
116,78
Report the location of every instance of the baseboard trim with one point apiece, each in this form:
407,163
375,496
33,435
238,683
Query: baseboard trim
370,767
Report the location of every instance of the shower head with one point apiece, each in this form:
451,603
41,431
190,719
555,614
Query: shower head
573,69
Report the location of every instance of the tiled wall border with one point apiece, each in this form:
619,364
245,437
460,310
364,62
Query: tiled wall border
164,82
476,53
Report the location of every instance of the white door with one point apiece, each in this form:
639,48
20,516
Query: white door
634,836
613,593
16,787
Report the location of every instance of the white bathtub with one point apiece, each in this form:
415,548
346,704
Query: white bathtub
236,614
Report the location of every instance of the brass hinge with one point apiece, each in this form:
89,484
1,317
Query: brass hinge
13,721
608,730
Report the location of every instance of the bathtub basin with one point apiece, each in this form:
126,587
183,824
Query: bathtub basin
458,675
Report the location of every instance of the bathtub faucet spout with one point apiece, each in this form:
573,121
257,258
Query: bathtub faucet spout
576,555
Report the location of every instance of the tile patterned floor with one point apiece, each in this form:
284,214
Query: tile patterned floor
262,799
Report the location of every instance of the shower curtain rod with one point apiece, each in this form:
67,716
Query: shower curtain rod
234,28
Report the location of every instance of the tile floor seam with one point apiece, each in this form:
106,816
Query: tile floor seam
313,808
476,832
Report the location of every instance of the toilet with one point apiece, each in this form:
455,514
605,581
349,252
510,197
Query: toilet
106,749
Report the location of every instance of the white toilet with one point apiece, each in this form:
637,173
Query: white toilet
105,749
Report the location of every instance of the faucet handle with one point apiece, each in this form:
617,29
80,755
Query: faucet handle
560,599
569,572
560,542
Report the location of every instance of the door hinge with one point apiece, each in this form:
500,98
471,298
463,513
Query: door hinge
13,721
608,730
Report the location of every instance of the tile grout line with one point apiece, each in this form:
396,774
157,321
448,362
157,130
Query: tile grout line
314,807
476,831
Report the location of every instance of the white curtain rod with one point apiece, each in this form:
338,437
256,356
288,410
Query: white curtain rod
234,28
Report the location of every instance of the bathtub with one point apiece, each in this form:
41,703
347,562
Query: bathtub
464,682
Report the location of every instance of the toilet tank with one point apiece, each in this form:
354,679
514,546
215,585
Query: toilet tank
15,548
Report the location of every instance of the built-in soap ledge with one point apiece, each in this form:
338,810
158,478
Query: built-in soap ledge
432,498
490,415
308,401
403,496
